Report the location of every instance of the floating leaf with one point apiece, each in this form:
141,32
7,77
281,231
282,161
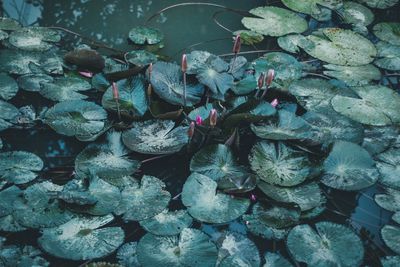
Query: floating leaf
82,119
307,196
100,82
32,82
205,204
249,37
388,32
276,260
155,137
386,135
8,87
353,75
7,220
388,168
277,216
143,200
390,200
202,111
377,105
318,9
284,21
379,3
391,236
166,80
132,101
145,35
167,222
65,88
279,164
34,38
330,245
19,167
82,238
388,56
21,256
390,261
9,24
396,217
127,255
349,167
356,14
7,115
140,57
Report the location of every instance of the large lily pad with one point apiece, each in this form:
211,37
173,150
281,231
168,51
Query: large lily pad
353,75
82,119
145,35
391,236
143,200
390,200
7,115
279,164
155,137
109,161
388,32
132,101
349,167
318,9
19,167
388,56
82,238
379,3
330,245
284,21
389,168
34,38
65,88
166,80
205,204
376,105
191,248
167,222
8,87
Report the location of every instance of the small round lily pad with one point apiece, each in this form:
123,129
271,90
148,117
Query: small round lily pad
391,236
8,87
145,35
19,167
167,222
388,32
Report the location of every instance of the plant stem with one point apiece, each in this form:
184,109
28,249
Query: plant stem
184,89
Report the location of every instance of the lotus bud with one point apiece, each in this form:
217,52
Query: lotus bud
86,74
253,197
213,117
260,82
270,77
191,129
237,44
274,103
184,63
115,91
199,120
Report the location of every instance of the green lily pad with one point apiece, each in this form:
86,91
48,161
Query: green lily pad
379,3
155,137
145,35
396,217
127,255
388,32
257,227
390,200
82,119
19,167
277,216
318,9
9,24
330,245
390,261
291,42
65,88
202,111
388,56
340,47
249,37
109,161
34,38
376,105
353,75
8,87
205,204
191,248
349,167
279,164
143,200
306,196
7,115
389,168
285,21
167,223
391,236
3,35
32,82
167,81
275,260
82,238
100,82
140,57
356,14
132,101
21,256
386,135
7,221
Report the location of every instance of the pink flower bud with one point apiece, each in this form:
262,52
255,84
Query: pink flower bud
191,129
270,77
237,44
274,103
115,91
184,63
86,74
213,117
253,197
199,120
260,82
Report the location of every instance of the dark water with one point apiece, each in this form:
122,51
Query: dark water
109,21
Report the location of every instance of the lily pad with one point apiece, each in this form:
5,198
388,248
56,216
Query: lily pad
167,223
386,135
205,204
34,38
376,105
32,82
132,101
7,115
318,9
390,261
257,227
202,111
353,75
389,168
145,35
82,119
8,87
279,164
388,32
9,24
356,14
277,216
390,200
65,88
249,37
19,167
140,57
275,260
330,245
396,217
155,137
82,238
388,56
21,256
191,248
349,167
379,3
7,221
306,196
167,81
127,255
285,21
391,236
143,200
